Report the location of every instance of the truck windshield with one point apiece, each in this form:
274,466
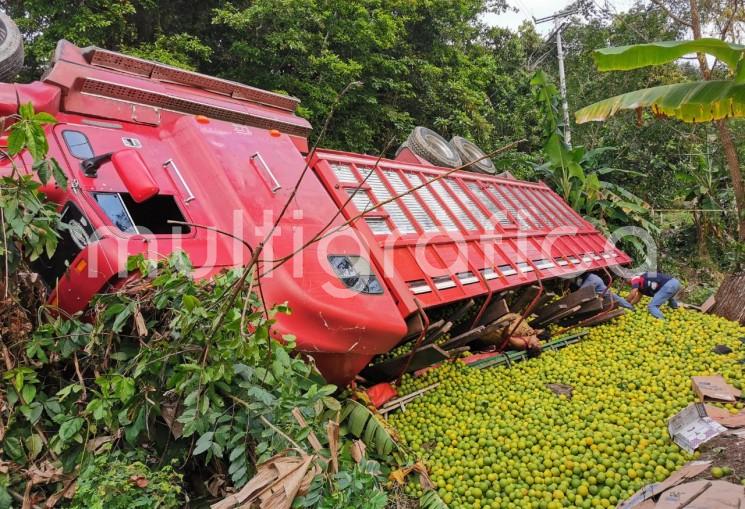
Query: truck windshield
148,217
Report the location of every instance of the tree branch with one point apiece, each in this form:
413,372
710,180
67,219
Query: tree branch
667,11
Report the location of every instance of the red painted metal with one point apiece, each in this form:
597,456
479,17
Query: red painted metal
228,156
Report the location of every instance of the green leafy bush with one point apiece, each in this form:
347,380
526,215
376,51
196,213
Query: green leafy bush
117,484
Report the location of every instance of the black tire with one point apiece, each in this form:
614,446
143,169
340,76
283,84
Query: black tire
470,152
11,49
434,148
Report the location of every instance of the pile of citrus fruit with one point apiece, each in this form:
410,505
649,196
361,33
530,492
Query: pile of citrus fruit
500,438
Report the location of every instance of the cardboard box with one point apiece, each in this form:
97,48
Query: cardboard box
703,494
715,388
725,418
691,427
642,499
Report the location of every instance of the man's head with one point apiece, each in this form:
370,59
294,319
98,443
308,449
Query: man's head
636,281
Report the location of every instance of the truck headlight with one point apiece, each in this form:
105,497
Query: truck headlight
355,272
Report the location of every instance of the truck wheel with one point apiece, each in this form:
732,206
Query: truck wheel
470,152
434,148
11,49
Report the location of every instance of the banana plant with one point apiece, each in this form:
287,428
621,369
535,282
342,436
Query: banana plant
696,101
577,174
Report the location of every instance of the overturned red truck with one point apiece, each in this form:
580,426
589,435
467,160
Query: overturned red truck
145,144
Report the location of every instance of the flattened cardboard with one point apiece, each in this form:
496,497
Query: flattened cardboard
642,499
714,387
725,418
691,427
703,494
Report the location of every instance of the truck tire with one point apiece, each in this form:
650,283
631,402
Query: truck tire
11,49
434,148
470,152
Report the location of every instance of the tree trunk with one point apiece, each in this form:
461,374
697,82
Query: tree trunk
725,137
733,164
729,298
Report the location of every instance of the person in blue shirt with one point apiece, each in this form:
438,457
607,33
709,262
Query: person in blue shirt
661,287
595,281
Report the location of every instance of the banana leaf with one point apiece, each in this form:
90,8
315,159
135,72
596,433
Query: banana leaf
431,500
362,423
698,101
622,58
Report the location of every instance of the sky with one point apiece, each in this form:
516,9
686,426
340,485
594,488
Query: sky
526,9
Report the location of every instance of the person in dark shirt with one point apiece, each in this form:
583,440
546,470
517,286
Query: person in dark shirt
661,287
595,281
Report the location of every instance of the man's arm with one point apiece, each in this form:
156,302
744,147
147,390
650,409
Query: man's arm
634,296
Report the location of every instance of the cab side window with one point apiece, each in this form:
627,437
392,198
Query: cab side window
78,144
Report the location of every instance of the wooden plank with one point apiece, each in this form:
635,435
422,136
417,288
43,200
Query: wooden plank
586,311
464,339
543,302
567,302
562,313
496,309
607,317
437,334
397,403
525,298
462,311
390,369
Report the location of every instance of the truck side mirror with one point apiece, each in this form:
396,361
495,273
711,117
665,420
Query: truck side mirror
131,168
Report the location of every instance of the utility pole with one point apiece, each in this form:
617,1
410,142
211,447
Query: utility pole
563,88
556,18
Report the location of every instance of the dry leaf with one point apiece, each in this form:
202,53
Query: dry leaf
169,412
399,475
215,485
312,438
139,480
332,432
95,444
140,324
358,450
47,474
275,485
67,491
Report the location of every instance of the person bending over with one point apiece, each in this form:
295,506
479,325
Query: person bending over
661,287
595,281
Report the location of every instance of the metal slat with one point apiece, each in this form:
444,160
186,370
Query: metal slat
506,203
472,207
448,200
420,215
344,173
380,192
362,201
489,204
429,199
525,209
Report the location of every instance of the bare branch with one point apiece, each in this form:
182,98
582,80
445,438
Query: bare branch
667,11
728,24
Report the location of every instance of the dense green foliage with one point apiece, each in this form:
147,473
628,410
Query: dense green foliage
109,483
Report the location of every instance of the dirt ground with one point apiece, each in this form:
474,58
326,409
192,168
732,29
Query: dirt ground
726,450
